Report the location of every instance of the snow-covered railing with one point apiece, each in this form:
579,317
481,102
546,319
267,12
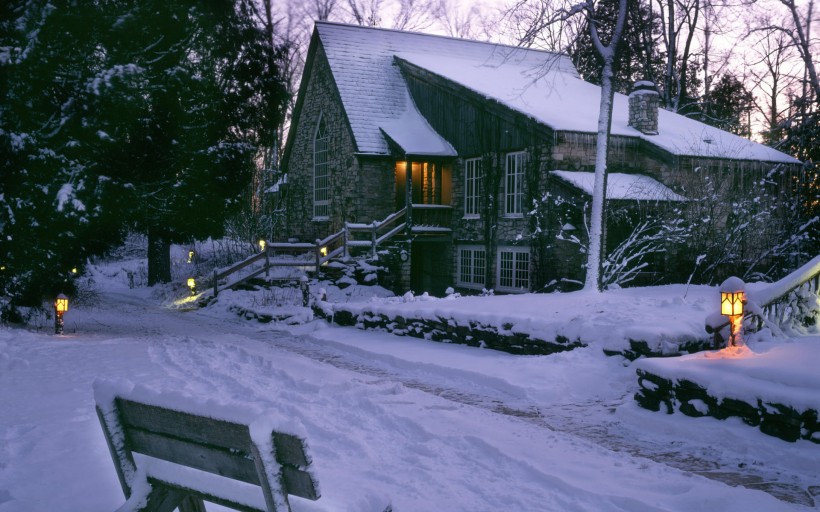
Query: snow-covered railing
789,302
283,254
377,232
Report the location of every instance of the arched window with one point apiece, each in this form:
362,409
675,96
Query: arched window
321,172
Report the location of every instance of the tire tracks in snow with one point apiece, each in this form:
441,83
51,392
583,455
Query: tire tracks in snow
564,418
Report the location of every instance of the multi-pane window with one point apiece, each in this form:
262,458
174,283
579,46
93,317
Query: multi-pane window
514,268
472,264
321,172
472,187
514,184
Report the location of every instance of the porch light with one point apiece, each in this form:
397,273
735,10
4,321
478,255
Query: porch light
732,298
262,244
60,307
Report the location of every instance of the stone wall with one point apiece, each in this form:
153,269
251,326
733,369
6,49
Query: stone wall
446,330
350,179
659,393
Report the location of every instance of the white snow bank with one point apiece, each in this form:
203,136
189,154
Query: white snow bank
659,315
785,373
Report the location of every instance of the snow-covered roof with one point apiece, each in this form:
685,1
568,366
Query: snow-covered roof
631,187
414,134
542,85
563,101
374,93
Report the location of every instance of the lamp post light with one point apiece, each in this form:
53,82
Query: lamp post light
732,298
60,307
192,285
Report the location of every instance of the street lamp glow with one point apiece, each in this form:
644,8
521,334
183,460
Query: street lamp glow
60,307
732,298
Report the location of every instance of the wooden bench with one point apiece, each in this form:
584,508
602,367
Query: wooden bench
278,464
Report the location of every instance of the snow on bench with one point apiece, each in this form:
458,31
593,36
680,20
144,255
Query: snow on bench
189,452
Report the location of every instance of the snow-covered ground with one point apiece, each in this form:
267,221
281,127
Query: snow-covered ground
423,425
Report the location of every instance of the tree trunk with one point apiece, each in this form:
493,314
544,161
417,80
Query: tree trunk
597,230
159,257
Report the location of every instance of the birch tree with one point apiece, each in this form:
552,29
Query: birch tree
597,232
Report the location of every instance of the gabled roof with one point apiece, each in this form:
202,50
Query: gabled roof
375,94
619,186
544,86
565,102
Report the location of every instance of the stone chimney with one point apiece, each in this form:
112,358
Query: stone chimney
643,107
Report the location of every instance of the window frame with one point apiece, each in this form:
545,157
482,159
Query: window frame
514,201
473,180
519,253
321,195
473,271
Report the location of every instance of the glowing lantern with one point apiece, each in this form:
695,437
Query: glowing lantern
74,270
732,297
731,303
262,244
323,251
190,256
192,285
60,307
61,304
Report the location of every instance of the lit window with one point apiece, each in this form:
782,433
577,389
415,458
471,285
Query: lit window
514,268
472,187
514,184
321,172
472,264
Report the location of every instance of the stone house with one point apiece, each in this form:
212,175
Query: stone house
469,141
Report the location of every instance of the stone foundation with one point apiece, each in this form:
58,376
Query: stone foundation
659,393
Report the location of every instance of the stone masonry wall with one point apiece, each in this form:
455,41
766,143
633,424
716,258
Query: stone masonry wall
321,99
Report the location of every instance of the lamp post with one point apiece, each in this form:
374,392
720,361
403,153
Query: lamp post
732,298
60,307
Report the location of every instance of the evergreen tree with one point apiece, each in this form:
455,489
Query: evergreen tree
730,105
124,113
636,57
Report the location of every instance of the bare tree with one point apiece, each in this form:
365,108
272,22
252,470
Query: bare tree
597,222
679,20
455,21
774,72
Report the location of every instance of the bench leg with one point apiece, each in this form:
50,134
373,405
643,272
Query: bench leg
152,498
192,504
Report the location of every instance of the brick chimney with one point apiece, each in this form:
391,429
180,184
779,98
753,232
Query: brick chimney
643,107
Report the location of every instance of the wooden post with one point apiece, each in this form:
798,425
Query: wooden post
215,284
345,236
267,262
318,256
373,239
303,285
408,201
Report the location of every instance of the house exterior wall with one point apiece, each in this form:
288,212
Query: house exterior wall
363,188
354,184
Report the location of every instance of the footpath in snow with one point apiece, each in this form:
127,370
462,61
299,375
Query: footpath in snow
423,425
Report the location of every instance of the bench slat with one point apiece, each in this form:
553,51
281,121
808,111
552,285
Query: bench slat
299,483
213,460
196,429
290,450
